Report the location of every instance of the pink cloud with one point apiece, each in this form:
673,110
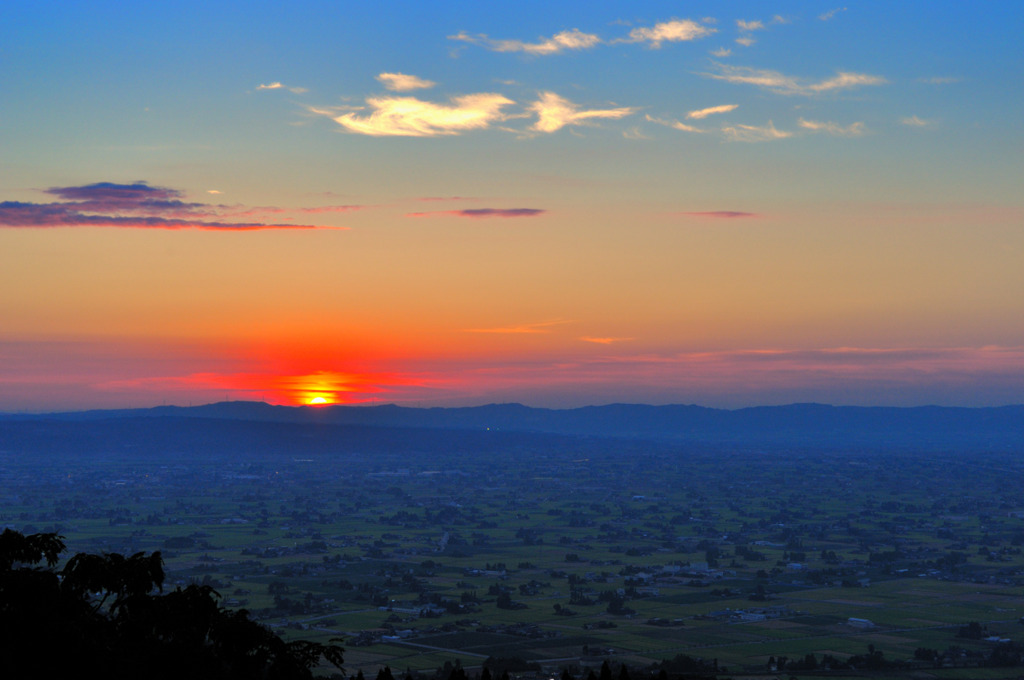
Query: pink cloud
481,212
720,214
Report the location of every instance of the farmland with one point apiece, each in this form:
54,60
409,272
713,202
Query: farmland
564,552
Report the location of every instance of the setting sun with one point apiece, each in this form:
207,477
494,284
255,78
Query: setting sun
318,401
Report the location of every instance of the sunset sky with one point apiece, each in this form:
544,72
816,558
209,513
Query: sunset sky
560,204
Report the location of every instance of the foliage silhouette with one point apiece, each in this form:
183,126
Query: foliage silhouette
100,613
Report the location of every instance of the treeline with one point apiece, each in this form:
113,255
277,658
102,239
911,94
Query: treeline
107,616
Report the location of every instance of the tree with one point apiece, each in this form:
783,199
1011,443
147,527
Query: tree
102,613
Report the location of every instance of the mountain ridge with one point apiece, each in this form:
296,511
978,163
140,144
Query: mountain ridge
804,425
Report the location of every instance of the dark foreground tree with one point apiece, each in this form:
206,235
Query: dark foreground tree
100,616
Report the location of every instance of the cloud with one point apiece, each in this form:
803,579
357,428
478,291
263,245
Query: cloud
749,25
704,113
783,84
213,191
851,130
478,213
746,42
524,329
278,86
675,30
137,205
400,82
447,198
332,209
634,133
675,124
827,16
554,113
573,39
914,121
721,52
411,117
939,80
604,341
720,214
752,133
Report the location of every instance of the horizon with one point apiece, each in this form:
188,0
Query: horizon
734,205
369,405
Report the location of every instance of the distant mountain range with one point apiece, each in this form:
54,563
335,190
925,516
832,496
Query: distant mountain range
803,426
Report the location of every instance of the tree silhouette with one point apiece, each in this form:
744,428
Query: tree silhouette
102,613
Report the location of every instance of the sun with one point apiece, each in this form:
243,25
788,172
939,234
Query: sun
318,401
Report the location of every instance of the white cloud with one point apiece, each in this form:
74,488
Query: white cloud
914,121
851,130
411,117
675,124
721,52
554,113
574,39
831,13
749,25
783,84
676,30
279,86
400,82
751,133
939,80
704,113
746,42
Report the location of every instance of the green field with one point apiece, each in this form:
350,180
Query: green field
736,556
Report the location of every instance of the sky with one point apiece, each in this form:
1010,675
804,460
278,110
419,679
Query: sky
558,204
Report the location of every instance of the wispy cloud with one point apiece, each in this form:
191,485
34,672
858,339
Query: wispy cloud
720,214
478,213
783,84
573,39
675,124
711,110
753,133
939,80
412,117
851,130
555,112
401,82
523,329
279,86
827,16
604,341
914,121
675,30
137,205
331,209
746,41
721,52
749,25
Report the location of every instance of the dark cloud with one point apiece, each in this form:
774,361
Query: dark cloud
138,197
482,212
720,214
138,205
